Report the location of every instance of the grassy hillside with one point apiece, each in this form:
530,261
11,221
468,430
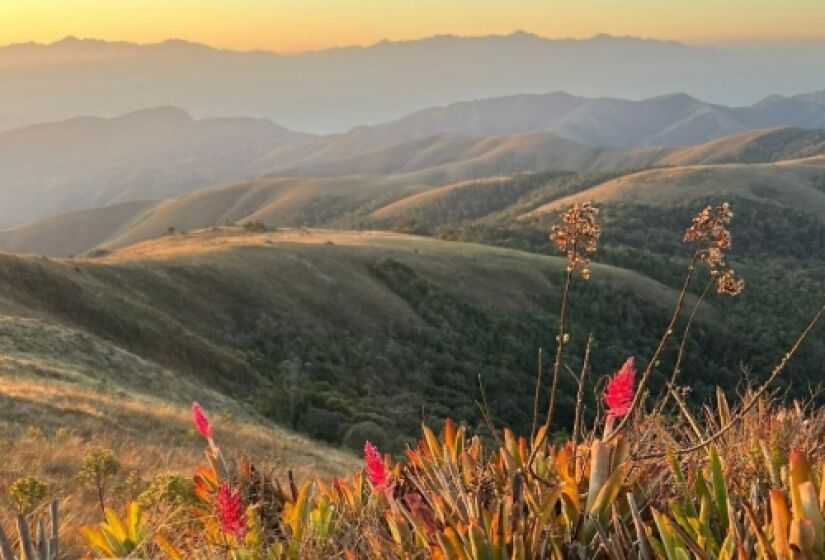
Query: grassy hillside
75,232
795,184
336,333
758,146
464,156
47,426
320,330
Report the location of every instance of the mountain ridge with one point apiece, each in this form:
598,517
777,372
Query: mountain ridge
367,84
70,41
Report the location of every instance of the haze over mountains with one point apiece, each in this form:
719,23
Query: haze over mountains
336,89
160,153
88,161
411,181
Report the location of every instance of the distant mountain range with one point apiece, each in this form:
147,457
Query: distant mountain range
675,119
86,162
336,89
161,153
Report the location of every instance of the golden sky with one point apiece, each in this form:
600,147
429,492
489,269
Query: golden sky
299,25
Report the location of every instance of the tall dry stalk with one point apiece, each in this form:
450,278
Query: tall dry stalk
576,237
709,230
537,393
755,397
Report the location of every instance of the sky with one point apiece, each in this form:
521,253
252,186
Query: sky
290,26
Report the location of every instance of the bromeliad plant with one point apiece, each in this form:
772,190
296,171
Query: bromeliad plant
450,498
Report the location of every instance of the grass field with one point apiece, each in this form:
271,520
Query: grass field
46,427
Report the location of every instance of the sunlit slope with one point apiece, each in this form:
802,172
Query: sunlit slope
455,157
168,317
47,426
408,181
322,275
75,232
160,316
796,184
758,146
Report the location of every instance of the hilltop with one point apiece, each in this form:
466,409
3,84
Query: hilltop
671,119
256,316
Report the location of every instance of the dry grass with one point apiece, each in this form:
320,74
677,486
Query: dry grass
326,256
423,198
46,426
791,184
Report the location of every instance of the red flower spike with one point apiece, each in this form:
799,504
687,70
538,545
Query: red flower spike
619,393
231,512
376,469
201,421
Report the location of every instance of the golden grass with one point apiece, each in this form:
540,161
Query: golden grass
791,181
511,275
220,239
425,197
148,437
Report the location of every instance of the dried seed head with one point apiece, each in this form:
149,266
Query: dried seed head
728,283
710,230
577,236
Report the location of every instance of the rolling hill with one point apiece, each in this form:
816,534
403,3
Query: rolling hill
451,157
160,153
157,153
227,314
400,182
326,330
795,184
673,119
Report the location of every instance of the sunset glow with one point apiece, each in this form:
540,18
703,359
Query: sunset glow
291,26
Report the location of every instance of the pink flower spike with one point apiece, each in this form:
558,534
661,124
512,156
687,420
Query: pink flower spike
230,510
376,469
619,393
201,421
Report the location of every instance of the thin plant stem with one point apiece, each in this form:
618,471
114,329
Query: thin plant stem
559,348
640,391
677,369
485,412
577,421
539,441
536,395
777,370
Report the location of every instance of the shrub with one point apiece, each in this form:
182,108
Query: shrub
323,424
99,465
28,492
360,433
35,432
172,489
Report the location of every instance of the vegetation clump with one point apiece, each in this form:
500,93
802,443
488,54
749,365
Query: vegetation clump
28,492
99,466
